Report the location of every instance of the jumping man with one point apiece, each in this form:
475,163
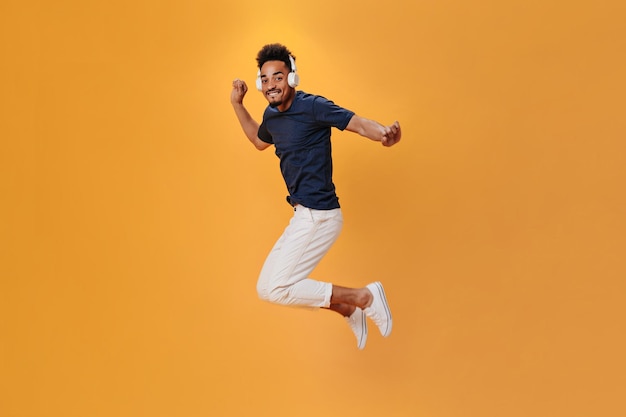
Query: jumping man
299,125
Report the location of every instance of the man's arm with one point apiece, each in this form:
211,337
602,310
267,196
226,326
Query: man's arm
386,135
248,124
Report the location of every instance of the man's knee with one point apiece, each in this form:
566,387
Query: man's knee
261,290
279,295
273,294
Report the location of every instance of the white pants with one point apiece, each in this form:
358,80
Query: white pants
284,278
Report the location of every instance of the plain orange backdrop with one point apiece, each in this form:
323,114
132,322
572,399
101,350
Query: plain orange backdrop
135,216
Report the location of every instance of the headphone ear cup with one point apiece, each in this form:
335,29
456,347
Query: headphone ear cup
293,79
259,84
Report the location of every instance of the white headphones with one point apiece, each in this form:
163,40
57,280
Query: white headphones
293,79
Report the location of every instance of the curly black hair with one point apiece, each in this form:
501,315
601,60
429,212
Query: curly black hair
274,52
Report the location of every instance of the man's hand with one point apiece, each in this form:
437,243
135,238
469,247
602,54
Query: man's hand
248,124
392,134
239,91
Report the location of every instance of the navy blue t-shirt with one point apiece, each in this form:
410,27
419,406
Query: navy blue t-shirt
301,135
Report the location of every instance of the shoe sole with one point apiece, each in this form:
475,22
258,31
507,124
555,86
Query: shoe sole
383,297
363,341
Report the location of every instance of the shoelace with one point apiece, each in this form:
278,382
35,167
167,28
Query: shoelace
353,324
373,314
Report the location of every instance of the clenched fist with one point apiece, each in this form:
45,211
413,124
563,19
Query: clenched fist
392,134
239,91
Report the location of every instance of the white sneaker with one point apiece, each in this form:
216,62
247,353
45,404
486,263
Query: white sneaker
358,324
379,311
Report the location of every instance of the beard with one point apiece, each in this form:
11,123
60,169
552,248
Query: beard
275,103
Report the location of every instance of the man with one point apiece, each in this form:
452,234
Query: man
299,126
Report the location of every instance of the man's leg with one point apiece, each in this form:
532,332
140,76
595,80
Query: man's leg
345,299
284,278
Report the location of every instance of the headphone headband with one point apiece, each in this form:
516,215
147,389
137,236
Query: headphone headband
293,64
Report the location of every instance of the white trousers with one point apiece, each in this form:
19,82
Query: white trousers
284,278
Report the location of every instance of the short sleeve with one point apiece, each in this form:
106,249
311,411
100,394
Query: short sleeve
264,135
330,114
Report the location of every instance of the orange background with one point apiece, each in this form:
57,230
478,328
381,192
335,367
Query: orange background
135,215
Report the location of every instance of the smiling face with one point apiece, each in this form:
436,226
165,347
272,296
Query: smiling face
275,88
